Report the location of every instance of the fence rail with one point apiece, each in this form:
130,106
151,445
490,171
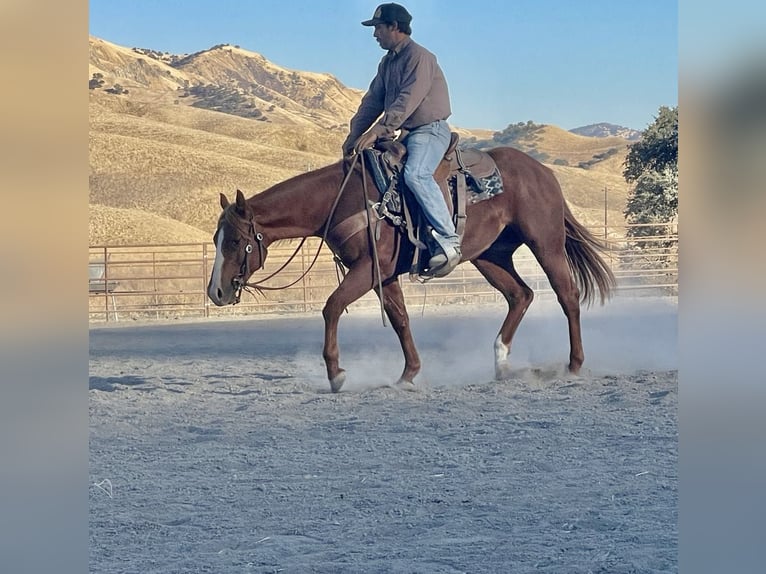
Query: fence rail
168,281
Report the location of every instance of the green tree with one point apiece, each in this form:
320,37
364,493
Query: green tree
652,166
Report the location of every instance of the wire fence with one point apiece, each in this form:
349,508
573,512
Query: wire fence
170,281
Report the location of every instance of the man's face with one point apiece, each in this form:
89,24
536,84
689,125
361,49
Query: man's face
386,35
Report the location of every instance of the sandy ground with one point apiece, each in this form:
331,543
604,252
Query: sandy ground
217,447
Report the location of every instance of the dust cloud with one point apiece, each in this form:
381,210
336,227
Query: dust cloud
456,345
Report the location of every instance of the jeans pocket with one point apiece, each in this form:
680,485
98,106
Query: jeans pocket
439,129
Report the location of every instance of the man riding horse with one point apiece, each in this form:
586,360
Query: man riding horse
411,93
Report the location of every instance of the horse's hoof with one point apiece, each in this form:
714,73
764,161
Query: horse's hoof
337,382
503,371
574,368
405,385
581,373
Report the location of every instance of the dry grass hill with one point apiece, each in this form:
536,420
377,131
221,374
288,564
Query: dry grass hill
169,132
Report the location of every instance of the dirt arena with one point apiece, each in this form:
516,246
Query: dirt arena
215,446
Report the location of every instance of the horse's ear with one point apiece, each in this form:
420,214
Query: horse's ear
241,205
224,202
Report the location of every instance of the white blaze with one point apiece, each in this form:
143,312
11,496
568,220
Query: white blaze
215,280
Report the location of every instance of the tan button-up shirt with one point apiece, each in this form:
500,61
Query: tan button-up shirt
409,90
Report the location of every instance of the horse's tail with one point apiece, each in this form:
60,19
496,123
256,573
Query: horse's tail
588,267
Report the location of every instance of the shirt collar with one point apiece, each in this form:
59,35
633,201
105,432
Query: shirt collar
400,46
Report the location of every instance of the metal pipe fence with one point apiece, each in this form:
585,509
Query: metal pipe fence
170,281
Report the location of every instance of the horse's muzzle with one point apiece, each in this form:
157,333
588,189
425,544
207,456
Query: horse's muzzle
222,297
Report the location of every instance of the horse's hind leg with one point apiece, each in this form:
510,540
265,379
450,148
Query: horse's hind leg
396,311
552,259
498,269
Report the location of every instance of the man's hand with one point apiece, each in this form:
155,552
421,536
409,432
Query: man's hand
365,140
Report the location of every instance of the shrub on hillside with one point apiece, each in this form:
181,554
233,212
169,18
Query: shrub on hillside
96,81
117,89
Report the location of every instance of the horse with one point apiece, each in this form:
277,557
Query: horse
531,211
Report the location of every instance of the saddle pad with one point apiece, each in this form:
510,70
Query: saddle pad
384,174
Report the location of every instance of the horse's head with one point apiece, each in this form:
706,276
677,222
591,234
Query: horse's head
239,251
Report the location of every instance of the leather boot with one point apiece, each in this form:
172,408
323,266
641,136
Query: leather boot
442,264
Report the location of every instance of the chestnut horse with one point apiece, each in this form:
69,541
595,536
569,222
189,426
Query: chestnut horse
530,211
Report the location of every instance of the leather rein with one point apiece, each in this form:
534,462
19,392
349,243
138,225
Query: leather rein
252,235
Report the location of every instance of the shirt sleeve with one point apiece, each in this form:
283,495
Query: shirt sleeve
371,106
417,78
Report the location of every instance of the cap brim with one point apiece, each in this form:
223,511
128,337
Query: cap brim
371,22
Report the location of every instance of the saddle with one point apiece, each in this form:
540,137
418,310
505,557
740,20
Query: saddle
464,176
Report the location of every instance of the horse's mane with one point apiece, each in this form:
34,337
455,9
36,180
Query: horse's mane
298,183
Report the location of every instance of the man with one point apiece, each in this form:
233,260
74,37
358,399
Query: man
411,93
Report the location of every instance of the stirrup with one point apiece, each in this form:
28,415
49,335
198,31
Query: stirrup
441,264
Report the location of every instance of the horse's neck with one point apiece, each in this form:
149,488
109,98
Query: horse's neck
297,207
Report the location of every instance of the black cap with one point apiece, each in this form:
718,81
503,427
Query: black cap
389,13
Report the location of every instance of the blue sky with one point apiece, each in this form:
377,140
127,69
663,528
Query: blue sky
563,62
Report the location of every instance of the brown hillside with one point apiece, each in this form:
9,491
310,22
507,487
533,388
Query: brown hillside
124,66
480,134
310,97
270,92
174,161
114,226
584,191
613,165
106,109
559,143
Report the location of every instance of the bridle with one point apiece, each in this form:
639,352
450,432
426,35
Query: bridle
239,281
252,235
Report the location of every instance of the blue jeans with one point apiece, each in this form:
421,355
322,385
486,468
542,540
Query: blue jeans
426,146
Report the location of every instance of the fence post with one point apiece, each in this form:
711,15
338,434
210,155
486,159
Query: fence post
205,300
154,283
106,283
304,280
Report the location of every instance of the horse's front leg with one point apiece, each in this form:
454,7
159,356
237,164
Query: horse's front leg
396,310
356,283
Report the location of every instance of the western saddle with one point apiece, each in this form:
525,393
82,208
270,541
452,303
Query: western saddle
463,175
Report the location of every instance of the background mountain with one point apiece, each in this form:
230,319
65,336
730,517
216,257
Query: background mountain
604,130
224,78
168,132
